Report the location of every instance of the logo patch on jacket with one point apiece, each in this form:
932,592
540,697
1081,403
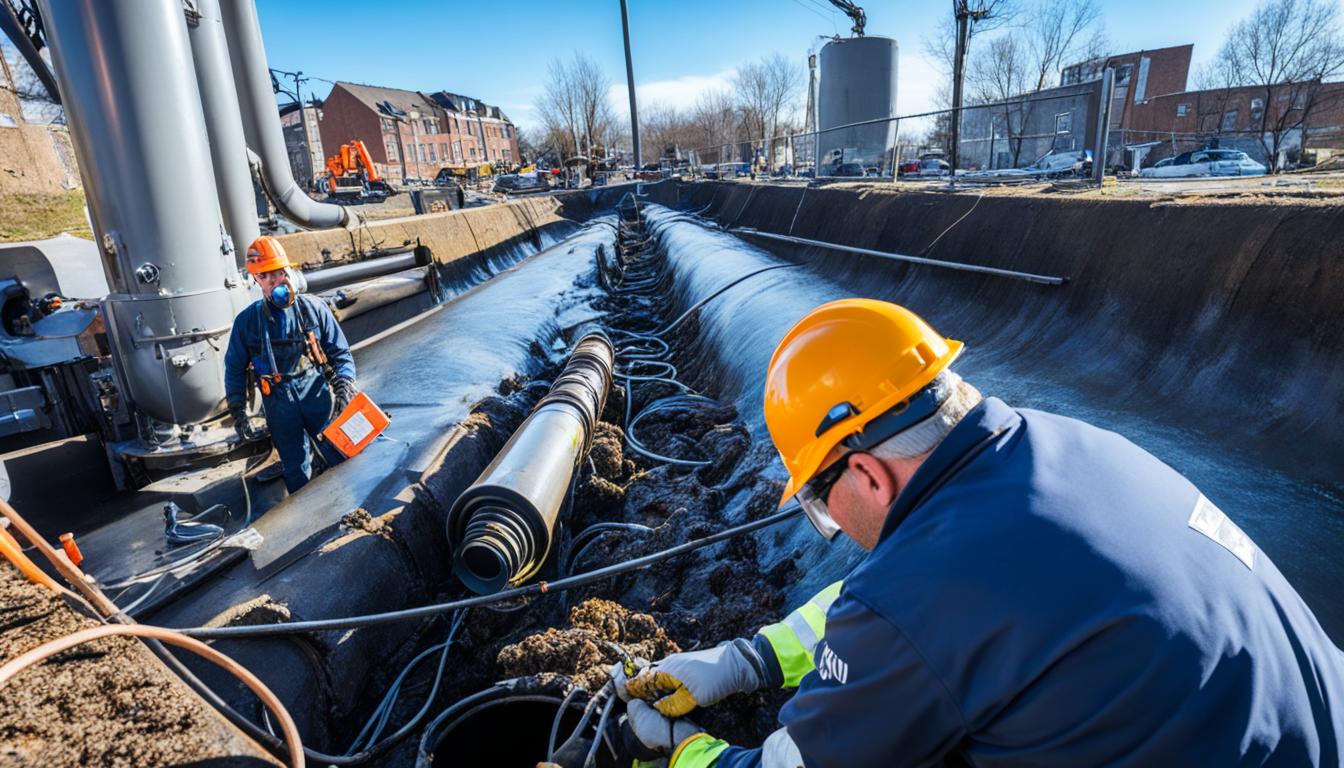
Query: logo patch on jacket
1210,521
832,667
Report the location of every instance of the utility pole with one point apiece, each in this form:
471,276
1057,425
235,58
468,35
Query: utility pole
630,80
297,95
958,75
965,17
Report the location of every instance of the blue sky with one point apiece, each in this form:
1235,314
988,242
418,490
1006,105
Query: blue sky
499,51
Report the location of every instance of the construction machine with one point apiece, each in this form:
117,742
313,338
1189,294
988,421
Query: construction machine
352,176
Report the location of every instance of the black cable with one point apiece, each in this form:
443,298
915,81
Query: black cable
538,588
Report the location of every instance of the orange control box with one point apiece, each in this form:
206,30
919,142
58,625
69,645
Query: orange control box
356,426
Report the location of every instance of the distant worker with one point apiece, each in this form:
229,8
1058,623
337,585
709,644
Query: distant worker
1038,591
299,359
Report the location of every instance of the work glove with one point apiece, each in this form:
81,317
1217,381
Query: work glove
242,424
342,392
658,734
683,681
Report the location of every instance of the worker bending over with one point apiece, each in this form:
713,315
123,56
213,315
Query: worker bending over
299,359
1038,591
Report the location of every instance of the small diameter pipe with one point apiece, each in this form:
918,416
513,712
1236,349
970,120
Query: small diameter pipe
501,527
1027,276
47,650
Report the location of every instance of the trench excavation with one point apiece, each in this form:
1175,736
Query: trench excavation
676,452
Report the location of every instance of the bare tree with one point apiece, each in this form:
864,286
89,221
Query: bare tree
714,120
37,105
1060,32
1284,50
767,93
574,107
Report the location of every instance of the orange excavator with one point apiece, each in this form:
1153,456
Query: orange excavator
352,175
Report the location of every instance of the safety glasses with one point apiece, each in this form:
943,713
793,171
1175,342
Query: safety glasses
814,493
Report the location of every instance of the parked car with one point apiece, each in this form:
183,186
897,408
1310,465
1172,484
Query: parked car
1205,162
932,166
909,168
848,169
1051,165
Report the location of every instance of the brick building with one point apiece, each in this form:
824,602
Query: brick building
303,141
411,135
1153,113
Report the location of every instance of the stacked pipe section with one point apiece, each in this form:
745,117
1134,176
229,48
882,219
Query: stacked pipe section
502,527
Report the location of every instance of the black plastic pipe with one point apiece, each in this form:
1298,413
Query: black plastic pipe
501,528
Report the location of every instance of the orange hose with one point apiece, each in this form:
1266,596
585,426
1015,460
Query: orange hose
47,650
14,553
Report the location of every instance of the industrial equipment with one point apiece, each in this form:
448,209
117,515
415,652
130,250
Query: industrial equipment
351,175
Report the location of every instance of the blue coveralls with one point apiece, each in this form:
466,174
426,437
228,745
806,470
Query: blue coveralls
300,406
1046,593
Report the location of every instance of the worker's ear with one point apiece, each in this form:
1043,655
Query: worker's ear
874,479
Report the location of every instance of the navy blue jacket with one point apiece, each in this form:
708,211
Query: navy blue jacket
1046,593
247,342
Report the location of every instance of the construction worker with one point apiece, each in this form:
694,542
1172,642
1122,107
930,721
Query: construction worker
295,351
1037,591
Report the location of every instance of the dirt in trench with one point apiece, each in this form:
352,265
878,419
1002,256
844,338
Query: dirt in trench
106,703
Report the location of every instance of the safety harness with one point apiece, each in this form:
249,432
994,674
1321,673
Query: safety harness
312,352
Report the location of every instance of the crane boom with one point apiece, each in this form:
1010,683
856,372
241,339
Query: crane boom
855,13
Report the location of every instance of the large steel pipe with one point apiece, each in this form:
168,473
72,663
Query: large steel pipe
335,277
501,528
261,121
128,84
228,148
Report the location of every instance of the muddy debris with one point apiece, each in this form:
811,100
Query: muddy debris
105,703
580,650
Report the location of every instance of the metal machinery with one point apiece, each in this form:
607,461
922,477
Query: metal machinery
351,174
172,118
857,83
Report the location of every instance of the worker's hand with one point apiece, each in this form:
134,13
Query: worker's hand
342,392
243,425
683,681
658,734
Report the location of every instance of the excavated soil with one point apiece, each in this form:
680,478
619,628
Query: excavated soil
108,703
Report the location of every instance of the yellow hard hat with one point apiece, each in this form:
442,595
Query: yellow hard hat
266,254
840,367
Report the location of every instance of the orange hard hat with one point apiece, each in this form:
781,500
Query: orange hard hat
840,367
266,254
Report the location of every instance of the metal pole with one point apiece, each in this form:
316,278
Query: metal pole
1103,124
958,74
630,81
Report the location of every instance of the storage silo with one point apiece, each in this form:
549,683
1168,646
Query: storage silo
858,82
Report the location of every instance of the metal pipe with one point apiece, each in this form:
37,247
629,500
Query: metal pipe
335,277
261,121
630,83
128,84
1027,276
228,148
369,295
501,527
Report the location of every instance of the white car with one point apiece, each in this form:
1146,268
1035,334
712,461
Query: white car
1051,165
1205,162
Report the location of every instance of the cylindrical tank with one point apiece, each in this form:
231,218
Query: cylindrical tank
857,83
128,85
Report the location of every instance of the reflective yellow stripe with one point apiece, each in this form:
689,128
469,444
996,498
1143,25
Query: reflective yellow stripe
699,751
795,639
